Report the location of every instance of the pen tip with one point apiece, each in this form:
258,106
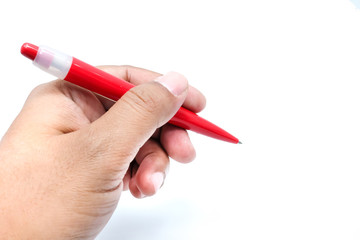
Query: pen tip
239,142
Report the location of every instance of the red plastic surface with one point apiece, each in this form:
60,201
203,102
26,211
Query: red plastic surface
96,80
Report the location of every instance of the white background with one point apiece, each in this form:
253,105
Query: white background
282,75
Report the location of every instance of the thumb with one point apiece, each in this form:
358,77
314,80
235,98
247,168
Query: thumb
120,132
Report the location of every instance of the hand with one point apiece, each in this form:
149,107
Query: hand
69,154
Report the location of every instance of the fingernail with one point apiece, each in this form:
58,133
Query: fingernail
174,82
157,180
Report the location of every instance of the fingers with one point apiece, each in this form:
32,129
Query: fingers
115,138
149,170
147,173
195,101
177,144
175,141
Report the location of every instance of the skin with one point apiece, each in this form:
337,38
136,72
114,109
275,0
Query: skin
69,154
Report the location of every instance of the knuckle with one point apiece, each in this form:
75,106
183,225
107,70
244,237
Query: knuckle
143,101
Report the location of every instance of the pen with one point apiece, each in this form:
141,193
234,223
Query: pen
91,78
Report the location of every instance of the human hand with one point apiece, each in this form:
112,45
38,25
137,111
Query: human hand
65,160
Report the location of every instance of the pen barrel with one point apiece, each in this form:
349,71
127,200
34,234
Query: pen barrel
109,86
96,80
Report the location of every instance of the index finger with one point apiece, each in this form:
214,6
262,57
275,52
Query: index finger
195,100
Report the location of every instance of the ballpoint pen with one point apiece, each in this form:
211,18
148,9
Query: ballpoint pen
84,75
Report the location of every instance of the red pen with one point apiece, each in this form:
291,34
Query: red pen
84,75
